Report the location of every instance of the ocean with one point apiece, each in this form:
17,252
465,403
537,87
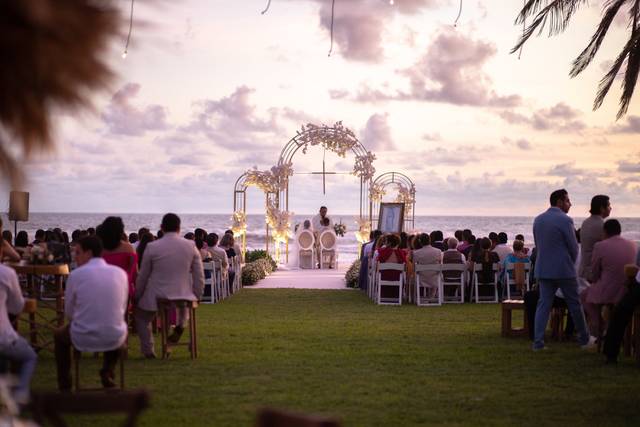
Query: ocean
347,245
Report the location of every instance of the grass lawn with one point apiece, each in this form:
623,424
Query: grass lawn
337,353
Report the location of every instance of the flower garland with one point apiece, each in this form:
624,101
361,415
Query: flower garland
279,221
363,166
406,196
377,192
239,226
270,181
364,229
338,139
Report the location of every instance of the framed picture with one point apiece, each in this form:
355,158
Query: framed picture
391,218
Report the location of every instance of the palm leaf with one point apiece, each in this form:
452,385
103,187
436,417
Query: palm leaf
587,55
633,63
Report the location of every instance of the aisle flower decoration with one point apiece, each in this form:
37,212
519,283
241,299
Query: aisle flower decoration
406,196
280,222
239,223
340,229
364,229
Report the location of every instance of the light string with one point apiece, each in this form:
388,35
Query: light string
266,8
333,4
126,46
455,24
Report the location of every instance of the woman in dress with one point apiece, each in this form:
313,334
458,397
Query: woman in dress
226,243
22,245
118,251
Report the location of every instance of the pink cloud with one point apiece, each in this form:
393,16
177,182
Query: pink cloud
376,135
123,118
560,117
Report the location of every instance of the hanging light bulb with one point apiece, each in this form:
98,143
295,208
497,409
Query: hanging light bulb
124,54
391,2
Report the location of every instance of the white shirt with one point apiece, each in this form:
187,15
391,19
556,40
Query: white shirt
11,302
502,250
95,302
317,225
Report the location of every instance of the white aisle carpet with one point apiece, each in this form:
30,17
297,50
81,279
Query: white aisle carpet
303,279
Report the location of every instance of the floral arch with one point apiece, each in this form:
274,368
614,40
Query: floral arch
406,193
275,181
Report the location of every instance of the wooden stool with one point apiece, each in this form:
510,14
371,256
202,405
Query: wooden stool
77,355
508,306
164,305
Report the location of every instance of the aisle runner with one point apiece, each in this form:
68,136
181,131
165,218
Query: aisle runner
303,279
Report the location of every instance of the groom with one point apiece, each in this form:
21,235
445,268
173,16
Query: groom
319,219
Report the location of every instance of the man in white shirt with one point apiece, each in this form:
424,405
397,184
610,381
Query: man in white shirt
319,219
95,302
12,346
502,249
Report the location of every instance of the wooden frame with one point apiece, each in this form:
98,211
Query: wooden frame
391,217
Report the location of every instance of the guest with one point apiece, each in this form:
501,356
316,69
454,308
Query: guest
238,249
199,233
621,317
205,255
436,237
217,253
452,256
12,346
555,238
471,242
8,237
317,222
391,253
22,245
141,232
459,235
607,271
39,237
465,241
493,236
517,256
521,238
172,269
160,234
95,304
487,258
427,254
117,251
404,242
502,249
365,259
190,236
6,250
227,244
91,231
591,233
133,238
142,246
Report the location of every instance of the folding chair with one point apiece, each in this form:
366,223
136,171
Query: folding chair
390,283
426,301
451,282
517,275
478,269
209,283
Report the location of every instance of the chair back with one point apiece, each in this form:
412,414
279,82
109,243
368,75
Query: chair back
419,268
390,266
328,240
306,240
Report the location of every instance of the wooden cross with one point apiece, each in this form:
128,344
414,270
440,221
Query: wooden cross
324,174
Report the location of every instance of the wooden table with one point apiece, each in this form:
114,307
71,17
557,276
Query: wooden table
36,276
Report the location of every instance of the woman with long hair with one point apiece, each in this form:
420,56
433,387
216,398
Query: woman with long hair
117,251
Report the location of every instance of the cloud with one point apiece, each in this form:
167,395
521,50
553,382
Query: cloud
359,25
376,135
632,125
565,170
561,117
625,166
123,118
434,136
451,71
520,143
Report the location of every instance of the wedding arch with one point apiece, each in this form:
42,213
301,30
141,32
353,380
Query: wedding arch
406,193
275,181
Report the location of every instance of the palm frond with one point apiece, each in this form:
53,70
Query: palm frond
557,13
589,52
608,79
633,64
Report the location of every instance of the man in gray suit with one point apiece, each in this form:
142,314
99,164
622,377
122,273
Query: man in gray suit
172,269
591,233
557,248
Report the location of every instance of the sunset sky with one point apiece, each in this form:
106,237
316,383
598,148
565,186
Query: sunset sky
211,88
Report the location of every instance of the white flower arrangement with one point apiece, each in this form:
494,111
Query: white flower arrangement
279,221
340,229
363,166
239,223
364,229
377,192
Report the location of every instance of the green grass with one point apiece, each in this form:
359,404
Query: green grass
334,352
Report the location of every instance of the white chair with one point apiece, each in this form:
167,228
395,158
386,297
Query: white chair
426,301
477,270
306,245
209,283
222,281
458,270
328,253
372,279
509,281
390,283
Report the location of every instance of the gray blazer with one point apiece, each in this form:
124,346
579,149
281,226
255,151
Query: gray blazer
556,244
171,268
590,234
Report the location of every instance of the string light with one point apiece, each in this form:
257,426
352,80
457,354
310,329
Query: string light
126,46
455,24
333,4
266,8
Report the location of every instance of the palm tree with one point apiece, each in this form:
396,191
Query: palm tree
558,14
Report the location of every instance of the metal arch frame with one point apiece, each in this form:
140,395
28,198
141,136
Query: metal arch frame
240,203
295,144
384,180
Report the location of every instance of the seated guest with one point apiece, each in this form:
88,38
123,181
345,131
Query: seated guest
459,235
204,252
391,253
238,249
622,315
493,236
22,245
7,236
502,249
6,250
487,258
452,256
95,304
521,238
39,237
133,238
427,254
227,244
171,269
365,258
517,256
465,241
141,232
117,251
607,271
436,237
217,253
142,245
12,346
190,236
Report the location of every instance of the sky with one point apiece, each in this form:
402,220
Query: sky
210,89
